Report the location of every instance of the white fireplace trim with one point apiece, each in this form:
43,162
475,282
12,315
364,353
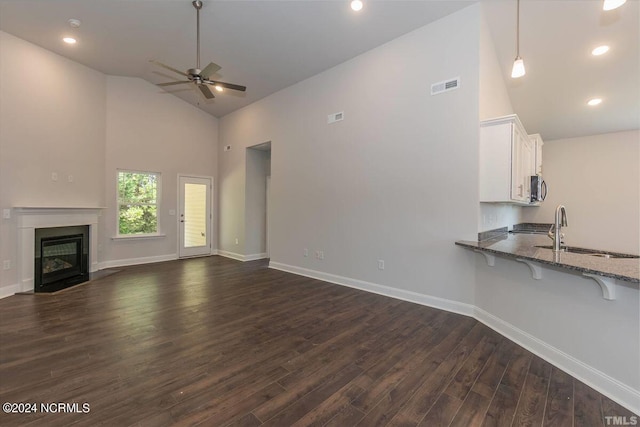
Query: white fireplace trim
30,218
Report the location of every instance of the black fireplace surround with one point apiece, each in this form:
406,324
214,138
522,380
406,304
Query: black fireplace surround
61,257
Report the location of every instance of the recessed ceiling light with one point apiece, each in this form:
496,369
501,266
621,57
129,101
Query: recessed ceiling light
595,101
600,50
356,5
612,4
219,88
69,40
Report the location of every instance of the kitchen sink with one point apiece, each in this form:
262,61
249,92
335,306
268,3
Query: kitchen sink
592,252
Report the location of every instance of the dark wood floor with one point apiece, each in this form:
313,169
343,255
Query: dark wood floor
217,342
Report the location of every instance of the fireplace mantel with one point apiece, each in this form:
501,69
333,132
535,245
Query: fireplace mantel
32,217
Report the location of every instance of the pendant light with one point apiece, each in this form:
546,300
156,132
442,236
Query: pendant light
612,4
518,63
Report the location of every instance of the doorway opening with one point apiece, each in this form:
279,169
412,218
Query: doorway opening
257,206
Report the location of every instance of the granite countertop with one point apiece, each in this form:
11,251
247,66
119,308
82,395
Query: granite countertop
523,246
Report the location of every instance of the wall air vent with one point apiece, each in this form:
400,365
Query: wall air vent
335,117
445,86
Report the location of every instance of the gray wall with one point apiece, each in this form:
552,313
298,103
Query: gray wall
52,122
394,181
150,130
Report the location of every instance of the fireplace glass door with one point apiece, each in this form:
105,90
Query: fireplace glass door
61,258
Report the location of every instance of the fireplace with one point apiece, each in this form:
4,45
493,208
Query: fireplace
31,218
61,257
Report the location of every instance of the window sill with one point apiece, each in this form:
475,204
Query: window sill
138,236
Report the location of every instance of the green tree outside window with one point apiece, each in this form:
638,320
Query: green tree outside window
137,202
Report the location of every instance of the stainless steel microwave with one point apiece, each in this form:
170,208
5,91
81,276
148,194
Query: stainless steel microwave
538,189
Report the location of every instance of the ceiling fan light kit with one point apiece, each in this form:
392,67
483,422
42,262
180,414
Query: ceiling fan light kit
197,76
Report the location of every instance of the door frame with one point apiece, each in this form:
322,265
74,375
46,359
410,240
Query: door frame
212,219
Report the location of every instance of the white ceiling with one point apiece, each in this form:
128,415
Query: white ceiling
269,45
556,39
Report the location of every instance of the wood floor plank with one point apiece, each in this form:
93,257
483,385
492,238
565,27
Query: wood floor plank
444,367
307,403
456,392
615,413
213,341
530,411
559,407
588,406
387,408
505,401
349,416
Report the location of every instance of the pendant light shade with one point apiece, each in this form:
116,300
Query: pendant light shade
518,68
612,4
518,63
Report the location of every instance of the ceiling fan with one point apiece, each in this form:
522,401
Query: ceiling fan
197,76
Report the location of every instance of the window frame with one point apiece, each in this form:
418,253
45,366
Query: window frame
157,204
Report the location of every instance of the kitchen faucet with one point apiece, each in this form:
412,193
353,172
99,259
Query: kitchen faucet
555,232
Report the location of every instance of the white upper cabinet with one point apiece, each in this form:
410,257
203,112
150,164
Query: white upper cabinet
537,141
507,161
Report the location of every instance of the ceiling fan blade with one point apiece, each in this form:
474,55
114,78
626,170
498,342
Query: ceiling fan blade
206,91
226,85
173,83
210,70
170,68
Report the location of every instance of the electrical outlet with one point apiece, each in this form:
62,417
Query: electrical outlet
6,213
70,178
306,252
6,264
321,255
236,240
380,264
54,176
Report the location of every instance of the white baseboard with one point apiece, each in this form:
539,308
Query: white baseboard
240,257
7,291
430,301
137,261
232,255
594,378
614,389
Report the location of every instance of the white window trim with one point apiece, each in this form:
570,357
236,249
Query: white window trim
158,233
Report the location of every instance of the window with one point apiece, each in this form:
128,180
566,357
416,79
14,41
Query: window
138,202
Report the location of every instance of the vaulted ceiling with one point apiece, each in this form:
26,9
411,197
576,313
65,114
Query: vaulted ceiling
270,45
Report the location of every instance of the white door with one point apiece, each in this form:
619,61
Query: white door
195,216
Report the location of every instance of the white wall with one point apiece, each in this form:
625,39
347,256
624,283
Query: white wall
150,130
597,178
396,180
257,170
52,119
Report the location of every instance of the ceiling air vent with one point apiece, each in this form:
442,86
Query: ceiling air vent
445,86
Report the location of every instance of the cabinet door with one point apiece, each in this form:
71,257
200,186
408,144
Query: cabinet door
528,165
536,139
520,162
